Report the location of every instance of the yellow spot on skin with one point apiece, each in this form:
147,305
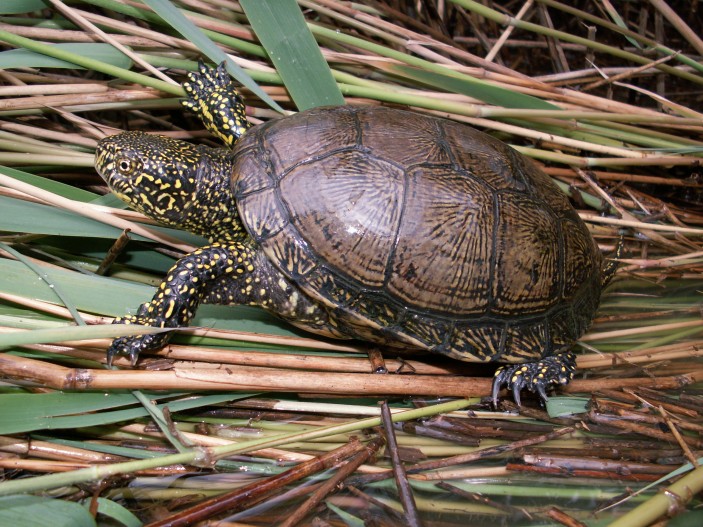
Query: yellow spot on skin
169,311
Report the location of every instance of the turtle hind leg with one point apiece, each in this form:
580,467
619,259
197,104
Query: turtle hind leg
213,97
536,376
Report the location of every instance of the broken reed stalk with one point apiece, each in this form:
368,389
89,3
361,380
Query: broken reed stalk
343,472
412,517
655,433
671,499
575,466
55,467
515,512
395,515
258,491
464,458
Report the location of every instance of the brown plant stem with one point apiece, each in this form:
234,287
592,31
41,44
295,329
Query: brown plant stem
269,379
328,486
257,491
407,499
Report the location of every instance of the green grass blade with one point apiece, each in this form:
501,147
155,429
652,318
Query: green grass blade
62,334
61,189
12,7
505,20
475,88
190,31
23,58
27,217
97,472
119,296
115,511
35,511
348,518
86,62
283,32
423,70
617,20
26,412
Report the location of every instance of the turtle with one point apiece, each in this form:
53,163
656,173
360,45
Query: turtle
388,226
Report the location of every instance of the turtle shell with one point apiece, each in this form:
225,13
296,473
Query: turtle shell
420,231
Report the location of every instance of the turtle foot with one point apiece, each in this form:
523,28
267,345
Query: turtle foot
133,345
214,98
537,377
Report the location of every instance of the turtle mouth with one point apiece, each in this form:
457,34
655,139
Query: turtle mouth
106,163
103,158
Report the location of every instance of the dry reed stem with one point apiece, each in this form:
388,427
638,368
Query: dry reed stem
48,450
278,454
258,491
333,483
91,212
269,379
51,467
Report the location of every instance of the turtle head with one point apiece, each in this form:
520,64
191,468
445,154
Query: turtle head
155,175
171,181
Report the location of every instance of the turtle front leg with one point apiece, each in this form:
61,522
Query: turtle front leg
179,295
214,98
221,273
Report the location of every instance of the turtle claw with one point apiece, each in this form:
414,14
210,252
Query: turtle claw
537,377
132,346
117,348
516,395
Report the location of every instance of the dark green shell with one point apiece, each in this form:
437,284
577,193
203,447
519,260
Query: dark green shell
419,230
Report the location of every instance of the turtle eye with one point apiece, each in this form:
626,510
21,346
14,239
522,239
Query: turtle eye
125,165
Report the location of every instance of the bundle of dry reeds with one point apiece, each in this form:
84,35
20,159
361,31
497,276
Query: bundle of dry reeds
246,420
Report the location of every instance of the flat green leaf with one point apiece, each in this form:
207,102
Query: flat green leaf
107,296
25,216
29,412
283,32
61,189
195,35
87,253
687,519
72,332
115,511
61,52
34,511
13,7
110,200
347,518
617,19
105,53
561,406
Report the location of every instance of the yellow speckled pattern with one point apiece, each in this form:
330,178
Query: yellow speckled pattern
180,184
213,98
